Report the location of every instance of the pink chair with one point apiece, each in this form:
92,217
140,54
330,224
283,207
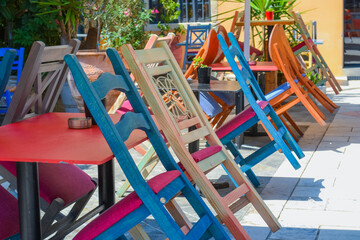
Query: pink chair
9,214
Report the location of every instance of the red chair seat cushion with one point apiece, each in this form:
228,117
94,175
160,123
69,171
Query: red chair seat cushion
238,120
9,214
65,181
202,154
124,207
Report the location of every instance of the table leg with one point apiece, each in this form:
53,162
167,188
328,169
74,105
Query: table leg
29,202
106,184
194,146
239,100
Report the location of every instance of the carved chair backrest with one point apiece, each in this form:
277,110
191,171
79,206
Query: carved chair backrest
41,81
162,81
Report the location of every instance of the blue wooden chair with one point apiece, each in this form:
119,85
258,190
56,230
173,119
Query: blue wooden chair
18,66
195,38
259,110
149,197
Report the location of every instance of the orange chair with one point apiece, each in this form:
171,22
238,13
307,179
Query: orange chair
297,82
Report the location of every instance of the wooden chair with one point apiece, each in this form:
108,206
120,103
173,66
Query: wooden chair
236,30
60,185
217,106
259,110
320,62
285,59
5,71
17,66
174,121
195,38
149,197
149,160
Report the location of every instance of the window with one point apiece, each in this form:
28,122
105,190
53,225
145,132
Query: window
191,10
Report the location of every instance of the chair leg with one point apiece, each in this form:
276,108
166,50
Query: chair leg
235,152
293,124
53,210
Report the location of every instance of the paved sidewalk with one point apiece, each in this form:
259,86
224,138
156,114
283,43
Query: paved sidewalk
320,201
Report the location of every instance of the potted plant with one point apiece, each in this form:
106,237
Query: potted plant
203,71
269,14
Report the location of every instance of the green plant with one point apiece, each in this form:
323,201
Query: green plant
314,77
68,14
35,27
197,62
123,22
281,9
170,14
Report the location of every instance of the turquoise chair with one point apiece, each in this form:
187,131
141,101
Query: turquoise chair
259,110
5,71
149,197
17,65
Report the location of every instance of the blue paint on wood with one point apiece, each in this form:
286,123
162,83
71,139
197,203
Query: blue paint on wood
114,136
249,84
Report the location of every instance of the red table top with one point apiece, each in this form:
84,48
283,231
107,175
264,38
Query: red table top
259,67
47,138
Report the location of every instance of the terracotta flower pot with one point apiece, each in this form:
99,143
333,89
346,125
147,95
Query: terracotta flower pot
269,15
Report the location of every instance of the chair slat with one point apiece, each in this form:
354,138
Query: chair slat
56,53
236,194
195,135
161,70
188,123
212,161
154,55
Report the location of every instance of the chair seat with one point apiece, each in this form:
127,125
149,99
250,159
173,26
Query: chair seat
70,181
124,207
238,120
209,105
202,154
9,214
279,90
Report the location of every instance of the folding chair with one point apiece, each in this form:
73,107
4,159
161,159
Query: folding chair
236,30
149,160
60,185
166,78
217,106
195,38
309,45
149,197
285,59
17,65
259,110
